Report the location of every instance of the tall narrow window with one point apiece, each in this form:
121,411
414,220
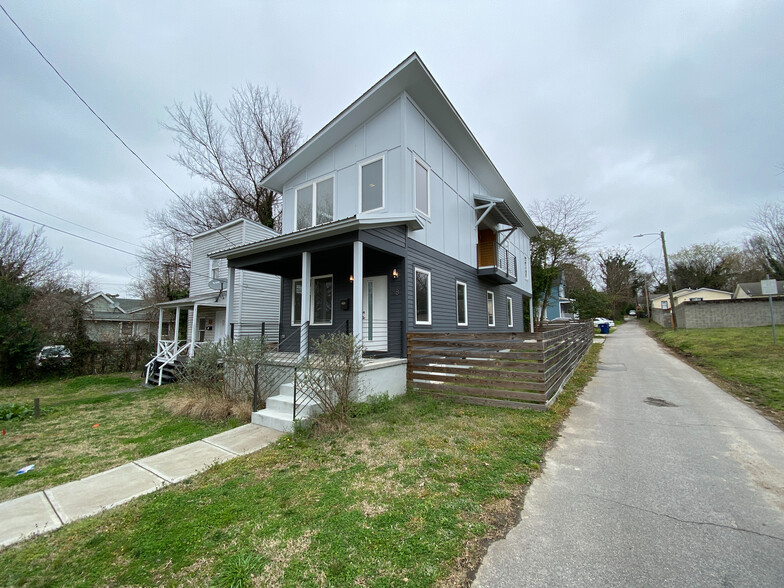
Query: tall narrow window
305,207
509,312
462,305
324,200
422,296
422,188
490,309
296,302
372,183
315,203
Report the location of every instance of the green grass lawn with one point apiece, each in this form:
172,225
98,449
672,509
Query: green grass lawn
65,444
408,496
746,359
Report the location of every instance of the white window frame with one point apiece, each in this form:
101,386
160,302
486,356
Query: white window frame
491,317
665,305
509,312
418,161
314,201
458,284
429,320
362,164
312,300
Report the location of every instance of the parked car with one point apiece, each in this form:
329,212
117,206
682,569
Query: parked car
598,321
53,355
632,312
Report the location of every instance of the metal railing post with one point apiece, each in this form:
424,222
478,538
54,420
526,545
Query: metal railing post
294,404
255,387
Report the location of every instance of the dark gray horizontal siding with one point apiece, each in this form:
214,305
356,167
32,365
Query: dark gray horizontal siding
444,274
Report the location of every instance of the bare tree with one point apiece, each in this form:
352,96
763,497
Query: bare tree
165,264
768,239
233,149
27,258
568,232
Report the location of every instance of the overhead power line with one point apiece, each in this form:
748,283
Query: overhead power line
69,233
110,129
67,221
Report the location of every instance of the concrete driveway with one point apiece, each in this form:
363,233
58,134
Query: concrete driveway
659,479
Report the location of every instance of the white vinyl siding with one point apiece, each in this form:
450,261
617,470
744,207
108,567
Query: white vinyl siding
422,297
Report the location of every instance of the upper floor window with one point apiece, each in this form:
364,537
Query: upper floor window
421,188
665,305
315,203
371,178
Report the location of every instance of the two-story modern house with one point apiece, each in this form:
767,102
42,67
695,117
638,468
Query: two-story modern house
211,313
394,220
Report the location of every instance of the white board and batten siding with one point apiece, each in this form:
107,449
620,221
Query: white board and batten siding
401,133
256,296
452,188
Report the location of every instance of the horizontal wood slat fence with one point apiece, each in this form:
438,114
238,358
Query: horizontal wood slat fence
517,370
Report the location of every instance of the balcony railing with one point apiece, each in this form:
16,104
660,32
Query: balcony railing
496,262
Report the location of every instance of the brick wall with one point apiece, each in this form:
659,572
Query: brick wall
715,314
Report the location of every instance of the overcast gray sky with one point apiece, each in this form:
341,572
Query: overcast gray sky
662,115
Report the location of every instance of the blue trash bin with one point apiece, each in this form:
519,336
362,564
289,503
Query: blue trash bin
604,328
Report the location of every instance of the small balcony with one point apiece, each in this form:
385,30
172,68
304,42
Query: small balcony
496,263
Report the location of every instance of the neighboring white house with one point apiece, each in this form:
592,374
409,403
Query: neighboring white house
111,319
662,301
208,314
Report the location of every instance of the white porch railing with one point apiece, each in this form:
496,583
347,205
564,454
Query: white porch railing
169,352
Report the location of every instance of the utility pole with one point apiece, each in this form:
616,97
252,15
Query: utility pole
669,284
669,280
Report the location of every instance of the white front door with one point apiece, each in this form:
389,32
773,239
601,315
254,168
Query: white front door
220,325
374,313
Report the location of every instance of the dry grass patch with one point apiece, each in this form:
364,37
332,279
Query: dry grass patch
209,407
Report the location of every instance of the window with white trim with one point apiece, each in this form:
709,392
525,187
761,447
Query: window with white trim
321,293
665,305
421,187
490,309
314,203
321,301
462,304
371,181
422,296
509,312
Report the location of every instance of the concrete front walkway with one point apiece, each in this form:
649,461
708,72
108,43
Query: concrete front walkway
658,479
50,509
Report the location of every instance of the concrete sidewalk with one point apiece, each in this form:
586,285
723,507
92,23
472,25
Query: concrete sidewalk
50,509
659,478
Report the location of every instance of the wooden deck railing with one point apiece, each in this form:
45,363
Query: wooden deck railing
519,370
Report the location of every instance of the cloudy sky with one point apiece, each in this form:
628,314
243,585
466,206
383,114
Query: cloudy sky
662,115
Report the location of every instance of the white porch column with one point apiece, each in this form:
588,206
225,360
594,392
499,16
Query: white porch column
356,303
229,304
194,330
176,337
160,326
305,306
531,312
